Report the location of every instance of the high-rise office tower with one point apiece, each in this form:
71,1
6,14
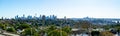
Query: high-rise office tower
16,17
29,17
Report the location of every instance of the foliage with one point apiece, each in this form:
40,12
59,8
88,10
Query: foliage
23,26
41,32
107,27
11,29
57,33
95,33
106,33
2,26
82,24
51,28
85,24
36,34
30,31
67,29
53,31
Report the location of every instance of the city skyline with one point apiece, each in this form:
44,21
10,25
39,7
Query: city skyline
61,8
50,17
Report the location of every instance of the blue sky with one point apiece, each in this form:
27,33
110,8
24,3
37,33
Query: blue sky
61,8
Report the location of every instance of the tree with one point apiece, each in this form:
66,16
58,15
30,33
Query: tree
67,29
106,33
41,32
36,34
106,27
51,28
95,33
85,24
30,31
23,26
11,29
82,24
2,26
57,33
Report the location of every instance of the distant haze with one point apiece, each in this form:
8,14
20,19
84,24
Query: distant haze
61,8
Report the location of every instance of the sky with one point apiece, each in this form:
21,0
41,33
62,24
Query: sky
61,8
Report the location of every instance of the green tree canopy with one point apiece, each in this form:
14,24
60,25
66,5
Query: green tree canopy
57,33
51,28
30,31
11,29
2,26
23,26
67,29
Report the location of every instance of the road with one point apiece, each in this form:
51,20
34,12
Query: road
6,33
2,35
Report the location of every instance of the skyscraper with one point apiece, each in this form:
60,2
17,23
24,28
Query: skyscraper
16,17
29,17
23,17
43,17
